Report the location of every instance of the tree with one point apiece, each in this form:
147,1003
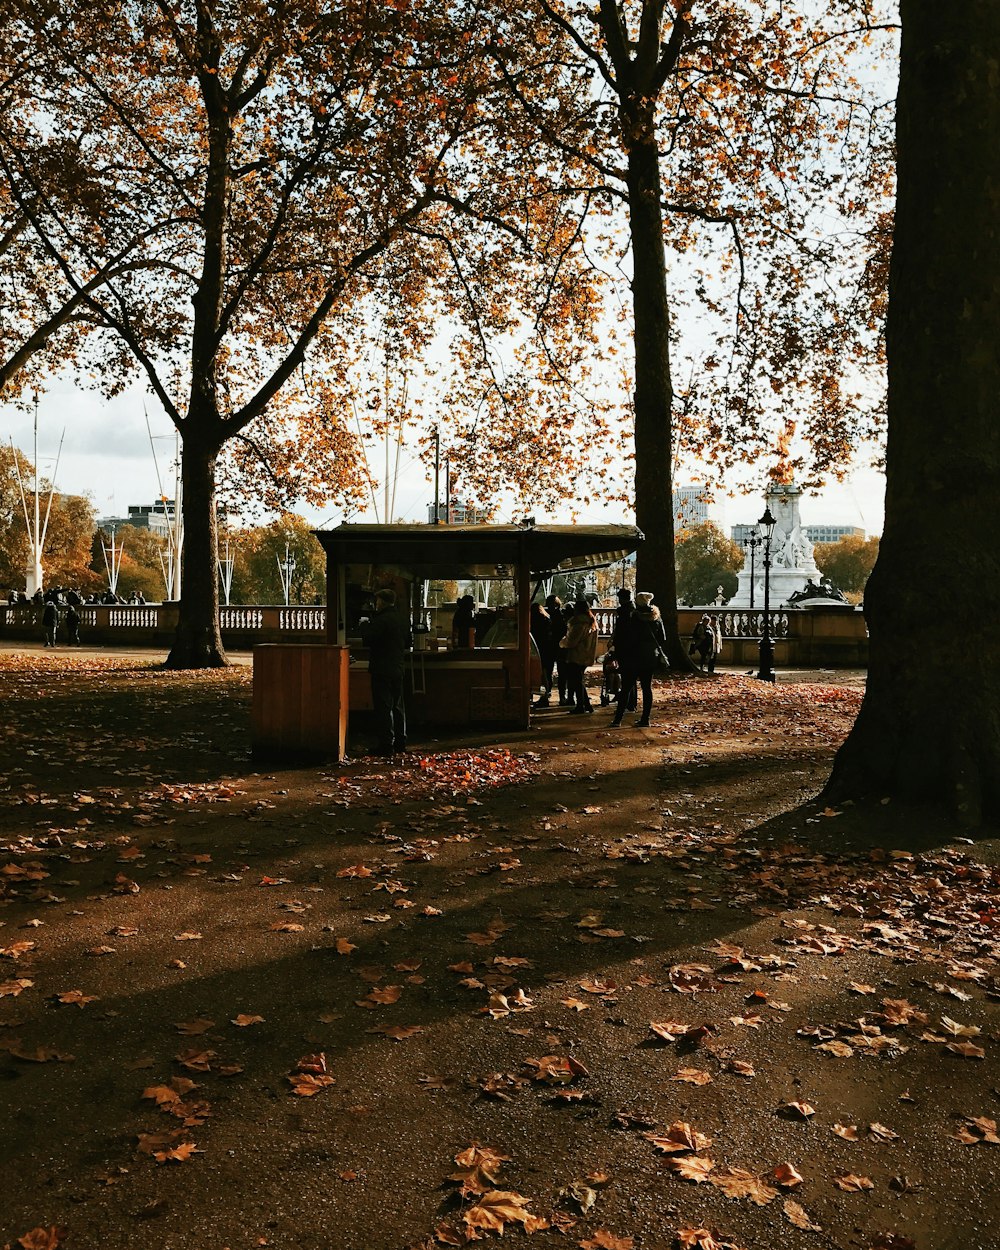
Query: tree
928,726
848,562
256,552
66,555
300,167
710,120
706,559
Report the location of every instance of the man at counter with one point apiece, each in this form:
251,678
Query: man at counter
387,637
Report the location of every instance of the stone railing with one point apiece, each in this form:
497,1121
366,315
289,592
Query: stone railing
804,637
154,624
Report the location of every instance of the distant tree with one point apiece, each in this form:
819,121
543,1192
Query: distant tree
256,553
706,559
140,569
848,562
66,557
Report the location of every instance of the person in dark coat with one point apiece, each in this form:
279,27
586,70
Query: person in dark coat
557,632
644,637
50,622
626,696
702,641
463,625
387,637
541,632
73,625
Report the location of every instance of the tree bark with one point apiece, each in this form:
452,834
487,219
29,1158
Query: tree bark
198,643
654,392
929,726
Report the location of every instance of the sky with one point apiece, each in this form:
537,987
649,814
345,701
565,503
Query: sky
106,454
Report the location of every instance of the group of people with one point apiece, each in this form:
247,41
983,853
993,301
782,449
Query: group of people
60,605
566,638
567,645
52,612
63,595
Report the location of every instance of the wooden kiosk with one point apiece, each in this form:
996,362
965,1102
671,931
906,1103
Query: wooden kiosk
446,685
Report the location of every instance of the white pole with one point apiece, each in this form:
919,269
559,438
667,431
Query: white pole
35,551
226,573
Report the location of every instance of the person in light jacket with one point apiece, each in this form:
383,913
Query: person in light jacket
580,645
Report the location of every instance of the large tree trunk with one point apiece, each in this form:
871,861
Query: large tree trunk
929,727
654,393
198,643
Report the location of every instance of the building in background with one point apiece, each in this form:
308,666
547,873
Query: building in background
156,517
689,507
462,513
815,533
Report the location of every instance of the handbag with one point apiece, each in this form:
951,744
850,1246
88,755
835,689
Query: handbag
661,664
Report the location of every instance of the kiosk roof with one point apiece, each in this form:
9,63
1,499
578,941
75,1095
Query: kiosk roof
482,551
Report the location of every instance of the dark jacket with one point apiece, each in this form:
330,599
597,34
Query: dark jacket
387,637
619,632
644,635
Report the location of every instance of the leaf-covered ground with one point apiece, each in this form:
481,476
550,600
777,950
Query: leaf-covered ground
579,987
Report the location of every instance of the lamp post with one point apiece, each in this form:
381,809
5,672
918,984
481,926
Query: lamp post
286,571
765,529
752,543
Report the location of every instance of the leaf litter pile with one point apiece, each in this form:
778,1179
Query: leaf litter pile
587,989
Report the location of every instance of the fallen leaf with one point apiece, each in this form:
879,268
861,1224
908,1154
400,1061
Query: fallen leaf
692,1076
796,1110
739,1183
192,1028
786,1176
243,1021
853,1184
43,1238
605,1240
798,1216
678,1138
691,1167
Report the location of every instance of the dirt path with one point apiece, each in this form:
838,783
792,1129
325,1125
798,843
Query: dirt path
329,984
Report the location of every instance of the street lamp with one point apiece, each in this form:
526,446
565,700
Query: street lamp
286,571
752,543
765,530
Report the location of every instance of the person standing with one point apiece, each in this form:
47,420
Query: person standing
541,632
626,698
701,641
73,625
557,632
644,638
387,637
50,622
463,624
715,629
580,645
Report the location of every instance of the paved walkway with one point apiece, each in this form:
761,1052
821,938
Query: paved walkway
820,676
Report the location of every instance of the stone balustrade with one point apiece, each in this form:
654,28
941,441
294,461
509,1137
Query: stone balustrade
834,637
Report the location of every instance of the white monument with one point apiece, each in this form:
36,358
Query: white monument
792,560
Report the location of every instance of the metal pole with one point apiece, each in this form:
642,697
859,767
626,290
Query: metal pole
766,643
753,552
437,475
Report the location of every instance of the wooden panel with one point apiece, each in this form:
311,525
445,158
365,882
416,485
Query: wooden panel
300,701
